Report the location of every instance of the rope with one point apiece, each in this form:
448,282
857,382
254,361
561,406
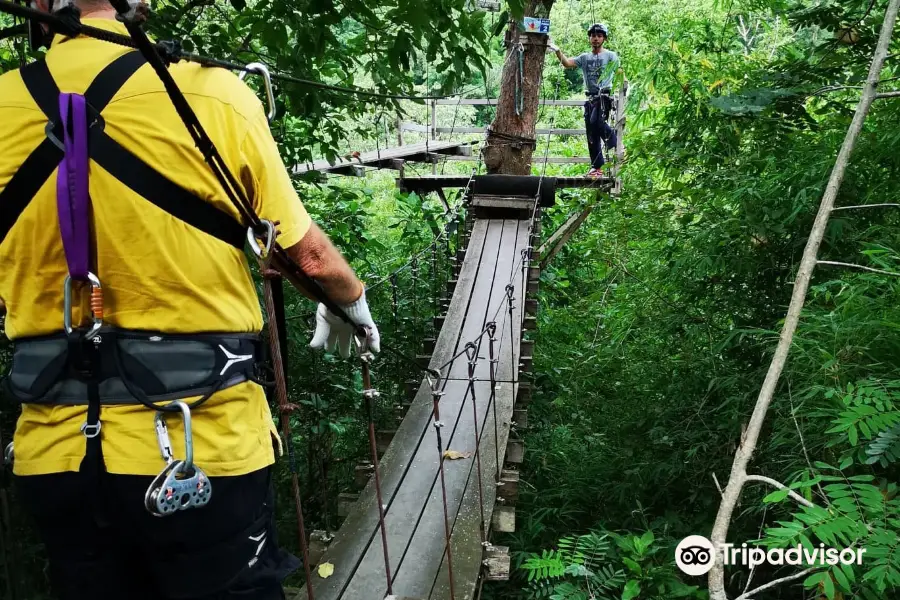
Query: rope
285,409
369,394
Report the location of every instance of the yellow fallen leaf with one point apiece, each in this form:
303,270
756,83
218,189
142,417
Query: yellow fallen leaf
326,570
454,455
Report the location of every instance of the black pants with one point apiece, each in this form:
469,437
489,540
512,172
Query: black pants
596,115
103,544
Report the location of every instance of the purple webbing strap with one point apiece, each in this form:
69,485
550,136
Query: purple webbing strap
72,199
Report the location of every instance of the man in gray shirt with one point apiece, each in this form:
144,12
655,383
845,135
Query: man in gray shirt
598,66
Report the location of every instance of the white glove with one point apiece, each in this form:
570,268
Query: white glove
551,45
333,332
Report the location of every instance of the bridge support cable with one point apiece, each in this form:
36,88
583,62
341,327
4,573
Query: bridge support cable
436,394
492,404
284,411
369,395
472,354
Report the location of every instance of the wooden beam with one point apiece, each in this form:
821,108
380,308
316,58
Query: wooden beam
564,233
346,500
504,519
508,490
563,229
429,183
553,160
362,472
493,102
496,563
515,451
318,544
482,130
383,158
415,127
383,439
443,197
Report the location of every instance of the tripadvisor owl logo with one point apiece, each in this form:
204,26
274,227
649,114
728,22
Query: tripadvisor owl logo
695,555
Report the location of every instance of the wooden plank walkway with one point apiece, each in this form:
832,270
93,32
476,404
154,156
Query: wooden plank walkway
387,158
411,487
433,183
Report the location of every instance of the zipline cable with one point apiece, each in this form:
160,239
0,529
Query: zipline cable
171,52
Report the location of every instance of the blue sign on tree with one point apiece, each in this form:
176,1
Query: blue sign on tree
534,25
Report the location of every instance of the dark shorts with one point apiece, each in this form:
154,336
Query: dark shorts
227,549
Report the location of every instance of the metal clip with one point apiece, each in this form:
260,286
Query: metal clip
91,431
181,484
97,319
471,353
263,71
364,343
9,455
269,241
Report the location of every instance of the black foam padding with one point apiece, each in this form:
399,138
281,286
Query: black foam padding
516,185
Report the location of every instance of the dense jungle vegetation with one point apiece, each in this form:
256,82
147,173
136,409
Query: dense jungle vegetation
658,319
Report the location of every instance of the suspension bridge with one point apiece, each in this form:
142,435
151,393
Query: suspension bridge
446,480
439,486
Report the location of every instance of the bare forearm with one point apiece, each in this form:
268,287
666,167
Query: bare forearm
564,60
319,259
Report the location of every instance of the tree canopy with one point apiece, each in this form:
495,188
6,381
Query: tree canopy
659,317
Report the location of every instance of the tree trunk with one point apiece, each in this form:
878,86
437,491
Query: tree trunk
506,152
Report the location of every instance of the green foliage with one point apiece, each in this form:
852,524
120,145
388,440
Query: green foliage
589,566
658,318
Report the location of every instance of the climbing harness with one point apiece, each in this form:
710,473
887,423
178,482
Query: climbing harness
181,484
100,365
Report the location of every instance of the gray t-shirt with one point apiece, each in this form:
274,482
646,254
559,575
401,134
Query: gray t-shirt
594,66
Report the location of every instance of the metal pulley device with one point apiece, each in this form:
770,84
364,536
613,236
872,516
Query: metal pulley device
181,485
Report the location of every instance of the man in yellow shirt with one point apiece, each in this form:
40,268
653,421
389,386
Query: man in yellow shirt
177,318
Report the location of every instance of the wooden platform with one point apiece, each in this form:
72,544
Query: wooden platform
389,158
434,183
411,486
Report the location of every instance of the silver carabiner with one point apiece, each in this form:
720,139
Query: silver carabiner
364,343
96,319
266,254
263,71
181,484
9,455
162,436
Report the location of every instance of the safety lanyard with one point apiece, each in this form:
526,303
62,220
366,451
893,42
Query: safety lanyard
73,205
72,196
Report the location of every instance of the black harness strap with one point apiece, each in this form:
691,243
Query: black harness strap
43,88
111,79
122,164
144,180
42,161
27,181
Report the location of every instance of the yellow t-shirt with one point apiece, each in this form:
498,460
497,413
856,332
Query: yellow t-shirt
157,272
